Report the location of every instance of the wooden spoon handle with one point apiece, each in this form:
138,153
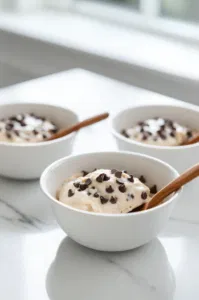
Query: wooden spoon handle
191,141
173,186
79,125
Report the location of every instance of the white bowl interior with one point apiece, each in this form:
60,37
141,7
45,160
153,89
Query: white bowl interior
131,116
155,171
62,117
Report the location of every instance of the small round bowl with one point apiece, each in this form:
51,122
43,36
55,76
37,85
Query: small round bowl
28,160
180,157
110,232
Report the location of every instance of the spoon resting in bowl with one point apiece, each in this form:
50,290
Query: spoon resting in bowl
173,186
78,126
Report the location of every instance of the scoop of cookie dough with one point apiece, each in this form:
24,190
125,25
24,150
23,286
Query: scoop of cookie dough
104,191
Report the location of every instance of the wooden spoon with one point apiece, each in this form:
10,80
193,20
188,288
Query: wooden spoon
78,126
173,186
193,140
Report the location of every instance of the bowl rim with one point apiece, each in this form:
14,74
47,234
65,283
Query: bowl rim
143,145
58,162
44,143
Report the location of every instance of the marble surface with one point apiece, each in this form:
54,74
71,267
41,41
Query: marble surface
37,260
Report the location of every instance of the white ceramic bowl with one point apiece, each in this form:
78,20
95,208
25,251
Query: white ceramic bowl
181,157
28,160
108,232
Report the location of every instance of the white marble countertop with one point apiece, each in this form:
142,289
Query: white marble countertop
37,260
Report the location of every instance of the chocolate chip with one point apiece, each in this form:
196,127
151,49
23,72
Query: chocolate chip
118,174
109,189
144,195
84,173
145,137
141,129
88,181
16,132
53,130
162,127
70,193
172,134
9,126
132,196
119,182
106,178
22,123
124,133
189,134
44,136
113,200
149,133
35,132
82,187
113,171
76,184
131,179
96,195
141,123
153,189
100,178
13,118
88,193
93,187
122,188
8,135
103,200
142,179
163,137
124,171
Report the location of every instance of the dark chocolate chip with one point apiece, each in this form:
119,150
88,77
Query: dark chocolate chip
141,129
53,130
131,179
132,196
124,133
106,178
8,135
16,132
93,187
96,195
122,188
88,193
153,189
109,189
163,136
44,136
113,200
144,195
82,187
100,178
9,126
124,171
145,137
76,184
141,123
22,123
35,132
103,200
88,181
189,134
84,173
70,193
142,179
172,134
13,118
113,171
118,174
